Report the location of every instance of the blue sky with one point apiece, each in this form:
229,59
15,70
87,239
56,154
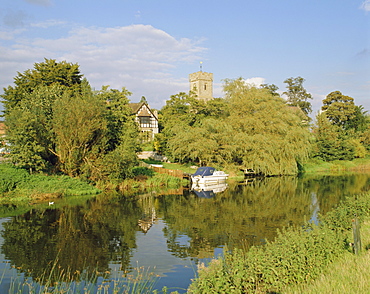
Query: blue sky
151,46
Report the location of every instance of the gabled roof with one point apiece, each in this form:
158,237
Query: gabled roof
138,109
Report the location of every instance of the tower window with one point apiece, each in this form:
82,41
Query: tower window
205,87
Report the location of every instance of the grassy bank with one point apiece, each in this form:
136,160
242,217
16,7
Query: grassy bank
338,166
297,257
349,274
17,185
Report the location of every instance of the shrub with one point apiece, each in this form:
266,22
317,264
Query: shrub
142,171
16,179
11,177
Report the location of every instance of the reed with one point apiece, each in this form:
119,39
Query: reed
140,280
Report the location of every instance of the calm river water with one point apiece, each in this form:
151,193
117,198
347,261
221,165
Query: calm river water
168,233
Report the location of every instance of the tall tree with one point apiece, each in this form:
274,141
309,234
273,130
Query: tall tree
331,142
55,122
258,131
47,73
271,88
271,137
297,94
339,109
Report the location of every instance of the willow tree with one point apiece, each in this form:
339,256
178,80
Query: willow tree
272,137
257,130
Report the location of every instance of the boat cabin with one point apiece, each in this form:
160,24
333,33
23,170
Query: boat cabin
204,171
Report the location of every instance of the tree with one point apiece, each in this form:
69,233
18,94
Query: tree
331,142
57,123
257,131
47,73
271,88
270,137
340,109
297,94
79,129
117,113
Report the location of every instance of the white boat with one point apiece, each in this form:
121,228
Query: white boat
208,175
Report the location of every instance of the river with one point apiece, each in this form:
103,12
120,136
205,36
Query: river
168,233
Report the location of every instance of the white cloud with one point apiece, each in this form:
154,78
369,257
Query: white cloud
138,57
257,81
48,24
365,5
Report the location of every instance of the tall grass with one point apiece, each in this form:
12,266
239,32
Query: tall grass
141,280
350,274
337,166
20,182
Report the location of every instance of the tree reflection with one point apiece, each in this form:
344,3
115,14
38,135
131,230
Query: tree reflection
87,238
250,213
73,240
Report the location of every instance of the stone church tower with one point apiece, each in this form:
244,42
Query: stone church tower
201,83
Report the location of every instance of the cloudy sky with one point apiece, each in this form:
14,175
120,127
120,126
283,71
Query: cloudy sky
151,46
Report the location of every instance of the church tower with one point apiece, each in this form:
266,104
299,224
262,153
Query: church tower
201,83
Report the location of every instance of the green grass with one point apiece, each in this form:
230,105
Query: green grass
337,166
349,274
16,184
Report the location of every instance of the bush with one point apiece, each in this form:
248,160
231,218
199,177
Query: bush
16,179
11,177
142,171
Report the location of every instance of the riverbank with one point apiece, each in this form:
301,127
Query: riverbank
349,274
17,186
337,166
297,258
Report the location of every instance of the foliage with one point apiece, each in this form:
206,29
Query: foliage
17,180
11,177
338,277
297,255
332,143
256,130
79,131
339,109
56,123
144,171
48,73
341,129
297,94
272,88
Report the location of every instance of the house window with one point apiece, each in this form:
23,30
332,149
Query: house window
145,121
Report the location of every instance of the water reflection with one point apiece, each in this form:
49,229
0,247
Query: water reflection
164,229
208,191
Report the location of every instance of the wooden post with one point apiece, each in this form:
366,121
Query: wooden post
356,235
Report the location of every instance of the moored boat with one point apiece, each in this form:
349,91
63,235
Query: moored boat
208,175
